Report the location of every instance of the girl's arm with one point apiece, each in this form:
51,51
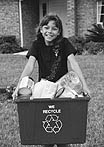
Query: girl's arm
29,67
75,67
26,72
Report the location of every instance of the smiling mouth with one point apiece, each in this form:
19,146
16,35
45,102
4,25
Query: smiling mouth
48,35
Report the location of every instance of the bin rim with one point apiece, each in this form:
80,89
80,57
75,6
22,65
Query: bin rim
26,99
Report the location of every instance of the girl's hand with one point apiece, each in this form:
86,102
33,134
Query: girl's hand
87,91
15,94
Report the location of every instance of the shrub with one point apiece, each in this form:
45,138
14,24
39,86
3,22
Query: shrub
78,42
95,40
8,44
85,46
94,47
10,39
96,34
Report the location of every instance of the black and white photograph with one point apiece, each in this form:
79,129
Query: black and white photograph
51,73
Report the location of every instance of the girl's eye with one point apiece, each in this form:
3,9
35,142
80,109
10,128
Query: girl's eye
46,27
55,28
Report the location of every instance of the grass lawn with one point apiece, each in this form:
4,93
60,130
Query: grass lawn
93,70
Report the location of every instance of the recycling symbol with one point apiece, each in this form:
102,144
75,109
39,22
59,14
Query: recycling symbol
52,124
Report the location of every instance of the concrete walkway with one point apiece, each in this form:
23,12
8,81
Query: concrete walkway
21,53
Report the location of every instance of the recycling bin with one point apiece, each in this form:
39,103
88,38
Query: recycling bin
56,121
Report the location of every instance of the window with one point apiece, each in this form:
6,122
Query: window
44,9
100,11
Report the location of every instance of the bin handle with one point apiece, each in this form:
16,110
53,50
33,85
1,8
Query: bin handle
59,92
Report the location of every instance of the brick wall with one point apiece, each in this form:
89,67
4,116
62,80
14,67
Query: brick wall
71,17
81,14
10,21
9,18
85,15
30,18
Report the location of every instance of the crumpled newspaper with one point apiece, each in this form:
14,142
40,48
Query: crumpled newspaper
68,86
44,89
72,84
71,80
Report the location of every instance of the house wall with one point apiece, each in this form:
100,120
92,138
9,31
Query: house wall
30,19
71,17
10,21
60,8
85,15
81,14
9,18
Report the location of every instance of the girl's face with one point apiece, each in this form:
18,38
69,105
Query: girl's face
49,32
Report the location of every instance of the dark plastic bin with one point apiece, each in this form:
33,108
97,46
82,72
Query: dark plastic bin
45,121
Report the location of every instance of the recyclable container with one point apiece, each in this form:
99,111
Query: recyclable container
56,121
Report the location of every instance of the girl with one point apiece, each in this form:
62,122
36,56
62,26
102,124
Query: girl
52,51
